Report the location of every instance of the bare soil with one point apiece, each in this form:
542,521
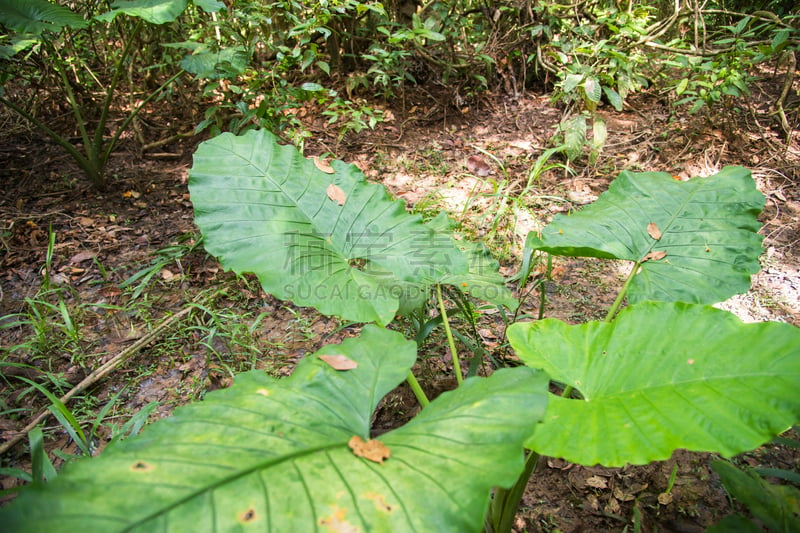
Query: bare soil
104,240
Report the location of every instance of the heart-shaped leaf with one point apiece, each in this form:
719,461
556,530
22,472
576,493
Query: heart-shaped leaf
265,209
279,455
662,376
37,16
708,245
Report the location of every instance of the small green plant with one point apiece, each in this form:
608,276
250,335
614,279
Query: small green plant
777,507
667,371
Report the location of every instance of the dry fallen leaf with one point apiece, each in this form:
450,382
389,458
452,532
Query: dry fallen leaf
655,256
653,231
336,194
478,166
372,450
80,257
339,362
597,482
323,165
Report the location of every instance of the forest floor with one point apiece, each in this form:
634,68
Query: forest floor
125,260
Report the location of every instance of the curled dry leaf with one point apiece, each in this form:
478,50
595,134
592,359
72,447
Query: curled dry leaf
339,362
372,450
597,482
478,166
655,256
336,194
653,231
324,165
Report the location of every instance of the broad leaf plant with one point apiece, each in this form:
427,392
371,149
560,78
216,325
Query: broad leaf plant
666,372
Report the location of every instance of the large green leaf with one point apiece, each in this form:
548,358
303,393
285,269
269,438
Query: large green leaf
152,11
662,376
265,209
273,455
214,64
36,16
708,232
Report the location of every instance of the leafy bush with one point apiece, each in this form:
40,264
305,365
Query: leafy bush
297,454
71,57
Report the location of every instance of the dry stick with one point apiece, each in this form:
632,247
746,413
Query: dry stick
99,374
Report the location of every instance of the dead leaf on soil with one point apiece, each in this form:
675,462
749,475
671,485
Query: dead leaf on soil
336,194
612,506
623,496
597,482
559,464
478,166
486,333
323,165
80,257
339,362
655,256
653,231
371,450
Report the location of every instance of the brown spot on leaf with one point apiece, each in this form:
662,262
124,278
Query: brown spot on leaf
655,256
336,194
336,522
339,362
323,165
380,502
141,466
653,231
371,450
247,516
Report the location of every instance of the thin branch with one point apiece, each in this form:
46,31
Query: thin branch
99,374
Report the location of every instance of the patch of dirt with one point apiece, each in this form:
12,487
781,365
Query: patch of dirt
141,232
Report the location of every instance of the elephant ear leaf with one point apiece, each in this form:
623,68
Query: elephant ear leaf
662,376
296,455
695,241
321,237
37,16
152,11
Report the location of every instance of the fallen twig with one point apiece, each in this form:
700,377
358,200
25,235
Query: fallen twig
99,374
